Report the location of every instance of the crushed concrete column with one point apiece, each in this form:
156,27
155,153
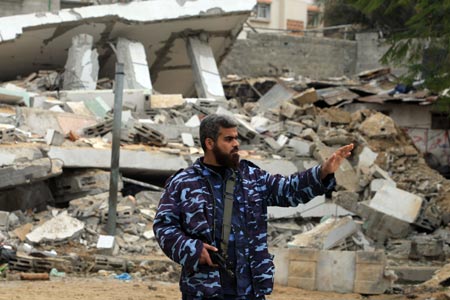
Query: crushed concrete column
81,70
206,74
132,55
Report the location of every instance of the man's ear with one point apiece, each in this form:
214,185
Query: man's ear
209,142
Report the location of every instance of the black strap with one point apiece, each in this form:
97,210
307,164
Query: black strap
227,212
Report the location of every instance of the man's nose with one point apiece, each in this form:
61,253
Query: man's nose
236,143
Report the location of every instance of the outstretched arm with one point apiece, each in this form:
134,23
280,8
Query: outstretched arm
332,164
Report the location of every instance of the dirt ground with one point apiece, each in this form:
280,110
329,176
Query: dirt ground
96,288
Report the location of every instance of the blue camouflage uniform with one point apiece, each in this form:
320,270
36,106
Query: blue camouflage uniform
184,221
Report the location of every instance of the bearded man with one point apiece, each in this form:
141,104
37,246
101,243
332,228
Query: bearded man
222,247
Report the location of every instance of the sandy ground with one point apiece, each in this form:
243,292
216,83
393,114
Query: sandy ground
96,288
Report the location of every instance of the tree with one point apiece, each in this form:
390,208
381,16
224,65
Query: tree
421,43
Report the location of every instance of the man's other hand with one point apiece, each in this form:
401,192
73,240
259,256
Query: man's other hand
205,259
334,161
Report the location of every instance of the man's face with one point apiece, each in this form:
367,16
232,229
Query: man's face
226,148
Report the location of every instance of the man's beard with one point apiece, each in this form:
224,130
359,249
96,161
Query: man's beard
230,160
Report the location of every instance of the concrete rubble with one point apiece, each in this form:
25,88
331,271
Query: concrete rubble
389,213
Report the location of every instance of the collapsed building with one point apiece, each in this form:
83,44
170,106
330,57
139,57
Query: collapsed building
387,220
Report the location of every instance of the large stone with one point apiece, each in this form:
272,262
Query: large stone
378,125
397,203
60,228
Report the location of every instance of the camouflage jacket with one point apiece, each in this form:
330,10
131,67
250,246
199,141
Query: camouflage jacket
185,215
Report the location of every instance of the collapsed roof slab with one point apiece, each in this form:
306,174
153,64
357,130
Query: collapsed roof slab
132,162
40,41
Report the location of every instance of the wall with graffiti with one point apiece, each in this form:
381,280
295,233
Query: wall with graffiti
432,141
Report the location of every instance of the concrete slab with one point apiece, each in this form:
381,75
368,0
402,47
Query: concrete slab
397,203
40,40
131,162
317,207
14,95
27,172
60,228
39,120
326,235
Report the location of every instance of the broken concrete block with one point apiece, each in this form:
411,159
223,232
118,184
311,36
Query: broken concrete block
166,101
326,235
4,221
208,83
378,125
106,244
188,140
427,248
60,228
322,270
306,97
272,144
99,129
302,147
378,183
289,110
73,184
54,137
132,55
97,107
316,208
31,171
397,203
334,95
194,121
147,134
379,226
413,274
6,133
276,96
282,140
370,275
11,94
81,69
366,159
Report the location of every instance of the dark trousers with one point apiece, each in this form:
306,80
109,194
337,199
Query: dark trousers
224,297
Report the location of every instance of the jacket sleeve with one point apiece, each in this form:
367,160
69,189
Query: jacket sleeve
169,233
295,189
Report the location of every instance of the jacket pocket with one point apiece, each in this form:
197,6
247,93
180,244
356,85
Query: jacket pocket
203,283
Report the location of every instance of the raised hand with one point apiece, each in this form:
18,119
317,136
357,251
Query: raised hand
334,161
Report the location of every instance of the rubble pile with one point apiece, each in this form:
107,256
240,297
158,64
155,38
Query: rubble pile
386,186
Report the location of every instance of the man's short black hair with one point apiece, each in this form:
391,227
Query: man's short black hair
210,126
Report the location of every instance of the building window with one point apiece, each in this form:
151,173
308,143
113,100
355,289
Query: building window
440,120
262,11
313,16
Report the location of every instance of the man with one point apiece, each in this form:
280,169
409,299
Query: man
190,217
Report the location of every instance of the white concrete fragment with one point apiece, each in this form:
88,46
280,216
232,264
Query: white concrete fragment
105,242
206,74
366,159
81,70
188,140
194,121
132,55
6,159
397,203
317,207
282,140
378,183
302,147
326,235
54,137
148,235
59,228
